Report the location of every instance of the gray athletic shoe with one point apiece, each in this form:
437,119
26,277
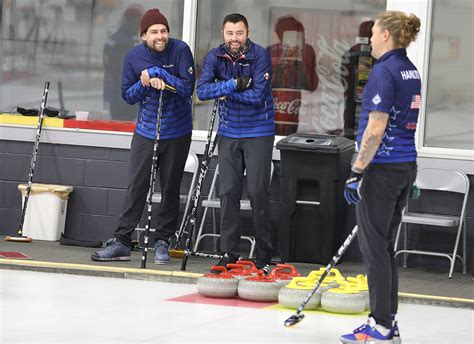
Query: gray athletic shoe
114,251
161,252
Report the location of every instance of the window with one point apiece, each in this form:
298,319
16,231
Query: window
449,116
320,58
78,42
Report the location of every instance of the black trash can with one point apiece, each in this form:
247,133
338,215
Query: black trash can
313,171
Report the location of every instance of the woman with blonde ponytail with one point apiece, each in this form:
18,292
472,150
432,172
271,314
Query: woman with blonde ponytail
385,167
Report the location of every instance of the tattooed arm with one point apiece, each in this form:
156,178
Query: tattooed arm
371,139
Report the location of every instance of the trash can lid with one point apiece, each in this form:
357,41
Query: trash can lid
62,191
315,142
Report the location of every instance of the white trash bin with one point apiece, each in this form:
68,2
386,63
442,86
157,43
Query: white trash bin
46,211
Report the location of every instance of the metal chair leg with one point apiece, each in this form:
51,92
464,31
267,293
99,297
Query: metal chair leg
397,238
252,248
455,251
464,248
201,226
214,227
405,255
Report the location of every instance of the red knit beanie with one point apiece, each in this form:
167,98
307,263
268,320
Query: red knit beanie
288,23
150,18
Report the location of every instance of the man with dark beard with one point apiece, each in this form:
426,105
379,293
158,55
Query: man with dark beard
148,68
239,71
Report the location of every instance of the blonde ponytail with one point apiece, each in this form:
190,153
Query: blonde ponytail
403,28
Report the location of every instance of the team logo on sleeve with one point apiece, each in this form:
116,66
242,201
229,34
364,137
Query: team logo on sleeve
190,70
266,76
376,99
415,102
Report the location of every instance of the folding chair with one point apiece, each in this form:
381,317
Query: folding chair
214,202
191,170
440,180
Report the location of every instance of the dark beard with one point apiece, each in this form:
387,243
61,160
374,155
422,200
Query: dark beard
237,54
152,48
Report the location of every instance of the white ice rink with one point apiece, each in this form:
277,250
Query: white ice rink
55,308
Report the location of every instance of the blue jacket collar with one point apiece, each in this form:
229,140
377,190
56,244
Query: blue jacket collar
249,55
388,54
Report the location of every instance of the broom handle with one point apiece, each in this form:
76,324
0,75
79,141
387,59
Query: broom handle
154,169
33,156
294,319
208,153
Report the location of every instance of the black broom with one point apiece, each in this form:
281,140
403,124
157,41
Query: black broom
21,237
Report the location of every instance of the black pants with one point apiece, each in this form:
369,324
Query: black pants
384,191
172,159
254,155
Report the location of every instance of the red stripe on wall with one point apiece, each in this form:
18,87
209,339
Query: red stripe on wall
100,125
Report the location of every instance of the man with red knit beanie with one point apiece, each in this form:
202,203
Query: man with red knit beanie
147,69
151,17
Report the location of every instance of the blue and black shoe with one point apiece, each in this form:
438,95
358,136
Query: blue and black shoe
114,251
161,252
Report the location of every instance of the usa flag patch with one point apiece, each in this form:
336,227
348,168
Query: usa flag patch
415,102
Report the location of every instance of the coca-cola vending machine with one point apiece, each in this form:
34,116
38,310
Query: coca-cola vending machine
294,72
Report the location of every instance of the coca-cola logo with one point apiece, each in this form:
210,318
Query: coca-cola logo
287,107
331,83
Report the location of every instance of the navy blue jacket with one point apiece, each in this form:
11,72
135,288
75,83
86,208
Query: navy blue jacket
175,66
243,114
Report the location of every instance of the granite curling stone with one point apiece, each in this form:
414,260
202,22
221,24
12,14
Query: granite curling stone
345,299
220,284
293,294
259,288
283,273
239,271
361,282
249,269
249,265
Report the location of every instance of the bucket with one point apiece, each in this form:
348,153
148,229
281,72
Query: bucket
46,211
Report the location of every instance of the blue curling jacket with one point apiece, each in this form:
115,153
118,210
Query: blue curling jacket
394,87
243,114
175,65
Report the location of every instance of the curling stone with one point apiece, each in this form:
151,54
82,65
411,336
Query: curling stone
298,289
292,295
334,276
249,265
283,273
332,279
219,285
361,282
239,271
259,288
345,299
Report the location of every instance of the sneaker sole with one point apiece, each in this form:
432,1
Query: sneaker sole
161,262
123,259
369,341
